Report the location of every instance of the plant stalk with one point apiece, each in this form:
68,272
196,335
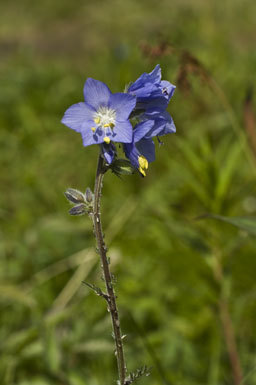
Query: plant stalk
228,329
110,297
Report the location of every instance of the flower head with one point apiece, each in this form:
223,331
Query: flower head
133,118
103,117
151,91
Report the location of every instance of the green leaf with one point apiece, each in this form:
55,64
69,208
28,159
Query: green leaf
245,223
52,350
14,293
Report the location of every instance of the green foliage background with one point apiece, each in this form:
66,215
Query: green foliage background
53,330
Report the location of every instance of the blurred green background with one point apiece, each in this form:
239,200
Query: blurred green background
174,273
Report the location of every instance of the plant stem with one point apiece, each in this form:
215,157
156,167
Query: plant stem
110,297
227,326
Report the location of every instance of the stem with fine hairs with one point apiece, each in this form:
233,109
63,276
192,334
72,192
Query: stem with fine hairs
110,296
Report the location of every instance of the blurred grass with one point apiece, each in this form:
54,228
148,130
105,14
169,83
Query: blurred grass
162,257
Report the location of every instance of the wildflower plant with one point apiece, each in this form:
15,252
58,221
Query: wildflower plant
132,118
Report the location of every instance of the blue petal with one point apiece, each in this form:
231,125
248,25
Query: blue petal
163,123
143,91
141,129
159,101
89,137
122,132
76,115
156,74
167,89
169,127
151,78
123,104
109,152
147,148
132,154
96,93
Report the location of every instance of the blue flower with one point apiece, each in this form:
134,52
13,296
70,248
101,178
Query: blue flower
153,96
103,117
151,91
141,150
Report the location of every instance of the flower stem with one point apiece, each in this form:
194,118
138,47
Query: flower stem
110,297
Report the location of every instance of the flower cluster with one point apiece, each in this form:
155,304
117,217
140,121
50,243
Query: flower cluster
132,118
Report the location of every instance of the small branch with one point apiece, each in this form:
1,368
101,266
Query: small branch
110,296
143,371
97,291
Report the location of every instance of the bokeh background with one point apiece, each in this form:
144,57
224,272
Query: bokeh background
186,286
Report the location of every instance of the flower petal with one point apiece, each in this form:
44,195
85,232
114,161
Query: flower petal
122,132
109,152
167,89
169,127
89,137
76,115
141,129
147,148
132,154
163,123
123,104
96,93
151,78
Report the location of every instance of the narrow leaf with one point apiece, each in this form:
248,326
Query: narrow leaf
245,223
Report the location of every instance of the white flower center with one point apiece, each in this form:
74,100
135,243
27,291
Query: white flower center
105,117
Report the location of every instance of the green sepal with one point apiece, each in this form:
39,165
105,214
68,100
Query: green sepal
122,167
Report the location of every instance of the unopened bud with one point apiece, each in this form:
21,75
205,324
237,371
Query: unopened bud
88,195
78,210
74,196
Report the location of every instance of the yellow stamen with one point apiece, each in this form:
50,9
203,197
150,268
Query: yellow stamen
106,139
93,129
97,120
143,162
142,171
111,125
106,125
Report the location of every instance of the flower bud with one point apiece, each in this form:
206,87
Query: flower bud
78,209
89,195
74,196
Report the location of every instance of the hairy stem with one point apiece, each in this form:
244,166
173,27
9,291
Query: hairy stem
110,297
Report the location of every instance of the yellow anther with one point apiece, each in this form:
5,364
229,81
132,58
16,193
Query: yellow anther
142,171
143,162
106,125
111,125
106,139
93,129
97,120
